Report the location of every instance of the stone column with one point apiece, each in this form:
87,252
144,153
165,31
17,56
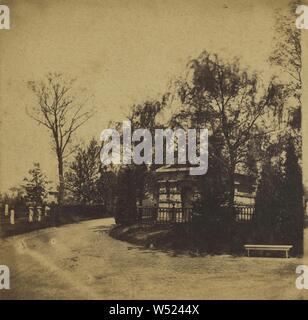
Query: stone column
39,214
12,216
46,211
6,210
31,214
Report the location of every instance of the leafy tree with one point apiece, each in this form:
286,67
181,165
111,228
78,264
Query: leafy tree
83,174
213,185
231,103
126,206
144,116
291,216
212,225
268,203
279,211
134,180
287,55
107,187
36,186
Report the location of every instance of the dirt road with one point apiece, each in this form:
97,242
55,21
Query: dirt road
81,261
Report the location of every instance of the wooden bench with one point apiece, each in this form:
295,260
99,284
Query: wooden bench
265,247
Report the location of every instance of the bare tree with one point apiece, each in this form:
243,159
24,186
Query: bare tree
61,113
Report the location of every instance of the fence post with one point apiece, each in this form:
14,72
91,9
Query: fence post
173,213
30,214
12,216
6,209
39,214
155,213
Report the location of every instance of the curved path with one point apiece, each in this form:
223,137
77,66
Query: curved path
81,261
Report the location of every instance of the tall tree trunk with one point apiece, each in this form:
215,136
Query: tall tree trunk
61,180
231,190
231,183
231,213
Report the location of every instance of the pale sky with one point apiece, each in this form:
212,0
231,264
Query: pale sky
123,52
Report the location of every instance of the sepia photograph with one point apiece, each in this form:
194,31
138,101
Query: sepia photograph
153,150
